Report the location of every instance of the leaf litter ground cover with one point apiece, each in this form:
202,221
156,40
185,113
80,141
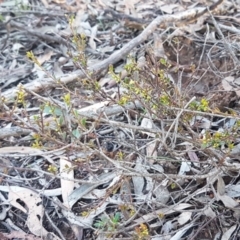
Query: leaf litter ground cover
119,120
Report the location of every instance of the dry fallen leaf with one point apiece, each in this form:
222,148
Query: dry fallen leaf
181,232
169,8
184,217
66,172
34,209
45,57
147,123
227,235
209,212
227,201
220,186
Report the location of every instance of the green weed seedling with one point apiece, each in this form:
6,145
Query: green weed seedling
108,224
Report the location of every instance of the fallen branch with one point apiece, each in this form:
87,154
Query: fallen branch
18,234
188,15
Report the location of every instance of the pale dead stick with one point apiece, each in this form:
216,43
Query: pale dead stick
40,84
175,122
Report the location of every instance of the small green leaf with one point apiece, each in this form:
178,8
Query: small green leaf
76,133
67,99
1,18
52,110
116,217
61,120
63,135
84,122
163,61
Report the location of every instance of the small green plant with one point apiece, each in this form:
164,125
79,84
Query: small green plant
165,63
218,139
79,40
141,232
1,18
127,210
37,141
164,99
107,223
120,155
131,66
124,100
58,124
202,106
21,94
52,169
173,185
116,77
33,58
